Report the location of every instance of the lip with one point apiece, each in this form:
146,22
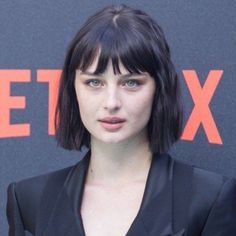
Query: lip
112,123
112,120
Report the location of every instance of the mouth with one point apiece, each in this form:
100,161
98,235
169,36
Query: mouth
112,120
112,124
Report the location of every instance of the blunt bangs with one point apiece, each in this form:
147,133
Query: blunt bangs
119,37
131,37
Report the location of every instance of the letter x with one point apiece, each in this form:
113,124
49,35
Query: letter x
201,113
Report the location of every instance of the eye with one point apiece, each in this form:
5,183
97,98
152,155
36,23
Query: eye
132,83
93,83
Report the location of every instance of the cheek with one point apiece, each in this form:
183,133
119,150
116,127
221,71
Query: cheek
87,106
142,104
140,110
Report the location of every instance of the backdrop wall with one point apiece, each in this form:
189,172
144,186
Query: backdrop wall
33,39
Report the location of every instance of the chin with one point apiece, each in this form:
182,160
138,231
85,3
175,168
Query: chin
112,138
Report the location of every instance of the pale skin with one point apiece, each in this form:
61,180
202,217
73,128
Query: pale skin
120,159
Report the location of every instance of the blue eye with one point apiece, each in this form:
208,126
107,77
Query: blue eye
132,83
93,83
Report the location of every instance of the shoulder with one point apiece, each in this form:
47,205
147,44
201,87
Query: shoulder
24,196
204,182
218,193
204,179
210,186
29,187
210,198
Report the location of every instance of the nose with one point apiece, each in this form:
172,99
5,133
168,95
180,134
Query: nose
112,100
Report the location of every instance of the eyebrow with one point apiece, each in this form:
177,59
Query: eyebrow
123,76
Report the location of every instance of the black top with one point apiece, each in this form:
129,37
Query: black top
179,199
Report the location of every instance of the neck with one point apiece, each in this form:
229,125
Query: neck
120,163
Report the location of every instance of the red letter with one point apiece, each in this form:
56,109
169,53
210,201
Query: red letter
52,78
201,112
8,102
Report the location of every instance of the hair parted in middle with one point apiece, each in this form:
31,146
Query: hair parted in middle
131,37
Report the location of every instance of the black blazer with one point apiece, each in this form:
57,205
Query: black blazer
178,200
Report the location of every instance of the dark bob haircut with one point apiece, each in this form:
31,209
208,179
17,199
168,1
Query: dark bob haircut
133,38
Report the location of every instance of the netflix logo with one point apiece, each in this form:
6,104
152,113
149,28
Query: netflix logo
200,115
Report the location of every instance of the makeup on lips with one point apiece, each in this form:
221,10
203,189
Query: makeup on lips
112,123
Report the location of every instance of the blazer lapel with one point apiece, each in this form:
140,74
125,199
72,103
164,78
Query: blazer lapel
62,220
181,232
58,209
155,214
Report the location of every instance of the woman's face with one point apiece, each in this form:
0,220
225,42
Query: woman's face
114,108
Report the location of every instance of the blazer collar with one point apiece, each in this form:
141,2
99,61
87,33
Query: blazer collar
154,216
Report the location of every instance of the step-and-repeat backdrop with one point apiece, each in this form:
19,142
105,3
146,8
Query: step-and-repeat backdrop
34,36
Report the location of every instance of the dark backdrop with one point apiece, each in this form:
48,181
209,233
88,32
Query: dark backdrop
34,35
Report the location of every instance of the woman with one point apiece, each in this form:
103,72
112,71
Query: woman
119,97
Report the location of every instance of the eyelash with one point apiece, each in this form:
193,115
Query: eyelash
87,82
138,83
